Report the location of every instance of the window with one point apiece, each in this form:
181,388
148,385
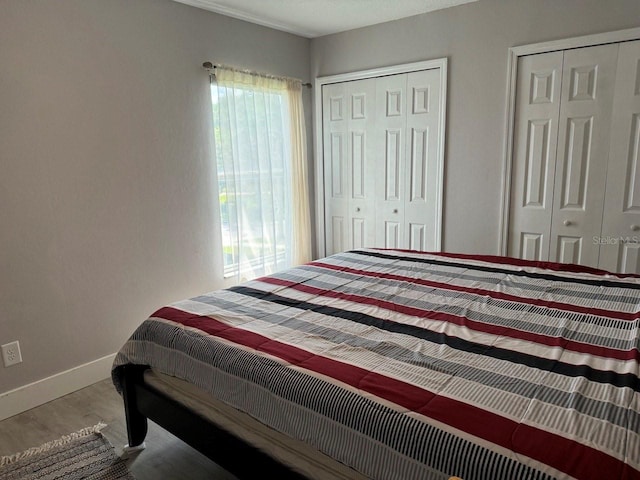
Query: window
255,153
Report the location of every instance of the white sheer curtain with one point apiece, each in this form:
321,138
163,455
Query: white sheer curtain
262,172
301,247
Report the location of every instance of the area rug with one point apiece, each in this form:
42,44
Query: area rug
86,454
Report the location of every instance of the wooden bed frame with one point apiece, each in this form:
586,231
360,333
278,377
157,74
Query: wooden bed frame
142,402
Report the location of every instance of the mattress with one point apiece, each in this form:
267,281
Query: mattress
414,365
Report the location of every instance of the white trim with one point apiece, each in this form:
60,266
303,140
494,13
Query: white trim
248,17
440,63
441,146
505,192
512,75
42,391
319,164
578,42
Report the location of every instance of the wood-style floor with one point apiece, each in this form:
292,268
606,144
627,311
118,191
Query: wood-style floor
166,457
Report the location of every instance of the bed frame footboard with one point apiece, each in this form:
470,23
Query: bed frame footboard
142,402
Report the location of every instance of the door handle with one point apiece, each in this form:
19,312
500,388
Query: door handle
567,223
635,228
395,210
357,209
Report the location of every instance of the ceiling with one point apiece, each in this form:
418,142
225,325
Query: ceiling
314,18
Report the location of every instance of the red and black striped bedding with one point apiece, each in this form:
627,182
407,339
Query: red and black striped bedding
413,365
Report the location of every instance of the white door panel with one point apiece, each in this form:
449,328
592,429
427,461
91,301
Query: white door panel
569,249
620,236
361,112
535,139
358,235
348,114
530,247
418,237
338,234
582,155
422,176
628,256
390,133
336,169
392,233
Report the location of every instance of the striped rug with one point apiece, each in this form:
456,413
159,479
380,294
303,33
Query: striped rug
85,454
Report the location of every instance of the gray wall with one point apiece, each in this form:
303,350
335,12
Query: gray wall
475,38
107,186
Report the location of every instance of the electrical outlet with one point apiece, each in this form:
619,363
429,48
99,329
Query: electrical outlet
11,353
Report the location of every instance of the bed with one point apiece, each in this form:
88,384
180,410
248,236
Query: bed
391,364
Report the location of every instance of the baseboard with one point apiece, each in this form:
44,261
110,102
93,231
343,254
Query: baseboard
37,393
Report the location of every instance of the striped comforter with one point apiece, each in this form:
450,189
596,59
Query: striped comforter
409,365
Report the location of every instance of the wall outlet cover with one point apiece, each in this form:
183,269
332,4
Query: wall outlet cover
11,353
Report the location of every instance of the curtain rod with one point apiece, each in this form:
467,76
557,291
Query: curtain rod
210,67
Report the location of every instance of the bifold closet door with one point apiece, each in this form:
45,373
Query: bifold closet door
422,176
381,149
390,134
561,149
407,130
534,159
583,154
619,241
348,115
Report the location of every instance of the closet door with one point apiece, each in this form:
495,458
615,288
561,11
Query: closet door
334,132
583,151
407,131
360,154
348,120
535,139
422,175
620,237
390,134
382,159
